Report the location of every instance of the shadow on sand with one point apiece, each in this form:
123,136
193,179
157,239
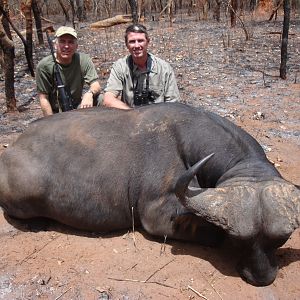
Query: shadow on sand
224,258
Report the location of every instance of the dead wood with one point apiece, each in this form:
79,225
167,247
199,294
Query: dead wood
63,293
49,28
27,54
196,292
5,41
279,32
7,63
38,250
274,11
47,20
241,21
118,19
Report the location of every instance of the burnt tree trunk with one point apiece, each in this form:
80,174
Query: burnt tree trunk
73,12
107,6
133,7
64,11
217,11
233,12
8,48
170,11
285,35
21,37
38,21
275,10
80,11
26,9
141,9
252,5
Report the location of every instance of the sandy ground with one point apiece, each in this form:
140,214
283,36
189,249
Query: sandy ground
239,82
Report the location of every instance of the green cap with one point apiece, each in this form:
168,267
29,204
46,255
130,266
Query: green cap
66,30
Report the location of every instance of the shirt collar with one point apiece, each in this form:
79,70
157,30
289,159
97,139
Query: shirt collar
150,61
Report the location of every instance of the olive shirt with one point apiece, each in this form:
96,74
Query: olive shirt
162,81
81,70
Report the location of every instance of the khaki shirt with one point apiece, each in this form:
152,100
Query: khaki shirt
162,81
81,70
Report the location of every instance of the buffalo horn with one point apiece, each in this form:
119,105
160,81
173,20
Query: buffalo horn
182,186
281,202
243,209
236,209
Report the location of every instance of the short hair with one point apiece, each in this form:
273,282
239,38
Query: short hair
139,28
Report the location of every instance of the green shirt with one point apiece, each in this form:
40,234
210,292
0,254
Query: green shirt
81,70
125,77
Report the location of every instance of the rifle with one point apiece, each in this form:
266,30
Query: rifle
65,99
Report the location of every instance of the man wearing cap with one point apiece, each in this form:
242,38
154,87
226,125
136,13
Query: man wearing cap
75,69
140,78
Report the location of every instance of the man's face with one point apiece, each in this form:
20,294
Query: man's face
137,44
66,46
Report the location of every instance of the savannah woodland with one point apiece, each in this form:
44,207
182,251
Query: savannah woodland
237,58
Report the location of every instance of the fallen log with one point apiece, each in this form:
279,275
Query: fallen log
118,19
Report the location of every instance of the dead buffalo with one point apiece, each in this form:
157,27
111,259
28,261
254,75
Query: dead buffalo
91,168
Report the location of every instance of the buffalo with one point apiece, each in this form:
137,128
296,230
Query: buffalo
179,171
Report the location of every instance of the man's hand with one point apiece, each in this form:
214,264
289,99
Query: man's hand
88,97
110,100
87,100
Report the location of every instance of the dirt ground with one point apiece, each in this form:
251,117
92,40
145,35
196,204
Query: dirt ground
217,69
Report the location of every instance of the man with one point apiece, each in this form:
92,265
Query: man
75,69
139,78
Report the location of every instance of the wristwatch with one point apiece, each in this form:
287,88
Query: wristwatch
90,91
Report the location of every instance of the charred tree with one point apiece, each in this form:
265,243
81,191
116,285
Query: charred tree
26,9
64,11
285,36
133,7
275,10
169,8
233,12
80,12
141,9
107,6
6,16
73,12
241,21
252,5
38,21
8,49
217,11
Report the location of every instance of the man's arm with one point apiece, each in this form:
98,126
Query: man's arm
171,91
87,98
45,104
110,100
114,86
